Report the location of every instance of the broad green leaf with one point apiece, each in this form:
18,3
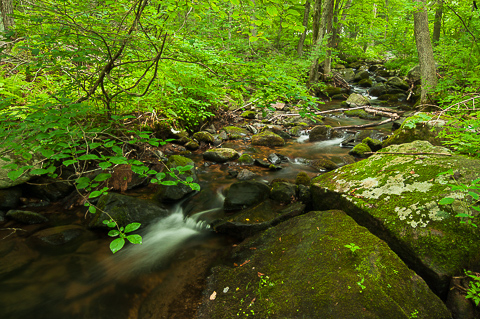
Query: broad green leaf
195,186
39,171
88,157
160,176
13,175
92,209
169,183
117,150
94,145
47,153
118,160
189,179
132,227
102,177
184,168
69,162
117,244
113,233
135,239
253,39
446,201
95,194
105,165
272,11
474,195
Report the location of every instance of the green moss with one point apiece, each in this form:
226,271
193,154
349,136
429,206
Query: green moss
374,144
302,179
359,150
246,159
361,114
248,115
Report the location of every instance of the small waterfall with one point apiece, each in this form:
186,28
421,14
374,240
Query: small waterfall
161,240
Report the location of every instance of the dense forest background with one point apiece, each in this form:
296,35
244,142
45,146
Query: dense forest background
82,76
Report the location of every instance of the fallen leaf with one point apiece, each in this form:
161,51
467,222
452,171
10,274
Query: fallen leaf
280,238
245,262
253,248
259,274
213,296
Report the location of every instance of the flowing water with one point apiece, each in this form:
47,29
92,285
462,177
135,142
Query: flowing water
163,277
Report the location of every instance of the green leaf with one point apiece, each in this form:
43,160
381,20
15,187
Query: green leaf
92,209
169,183
117,244
102,177
94,145
113,233
184,168
105,165
272,11
474,195
195,186
446,201
69,162
39,171
95,194
132,227
117,150
135,239
47,153
189,179
88,157
13,175
118,160
160,176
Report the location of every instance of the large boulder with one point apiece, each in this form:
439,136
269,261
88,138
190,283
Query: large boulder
245,194
395,194
125,210
221,155
267,138
204,136
409,132
398,83
347,74
8,159
356,99
26,217
322,133
361,75
302,269
172,193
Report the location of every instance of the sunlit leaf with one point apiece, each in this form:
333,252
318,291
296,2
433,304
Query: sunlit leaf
117,244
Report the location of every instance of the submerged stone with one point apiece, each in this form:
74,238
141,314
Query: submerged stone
396,196
245,194
26,217
302,269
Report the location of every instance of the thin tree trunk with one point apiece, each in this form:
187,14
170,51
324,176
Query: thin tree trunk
6,6
386,20
306,15
437,24
317,13
425,51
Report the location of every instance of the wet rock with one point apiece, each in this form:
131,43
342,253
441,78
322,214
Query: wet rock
365,83
279,131
204,136
414,74
70,237
321,133
356,99
221,155
262,163
246,159
389,97
323,164
245,194
304,195
377,90
425,131
235,133
245,174
267,139
125,210
347,74
340,97
362,114
398,83
2,216
172,193
394,90
283,192
10,197
26,217
460,307
384,73
380,79
192,145
252,129
331,90
181,137
359,150
396,197
276,158
361,75
374,144
7,159
305,262
302,179
254,220
49,189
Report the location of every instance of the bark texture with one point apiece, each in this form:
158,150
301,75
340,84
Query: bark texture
6,6
306,15
425,51
437,24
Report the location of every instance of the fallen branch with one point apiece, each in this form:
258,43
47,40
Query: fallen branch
366,125
248,104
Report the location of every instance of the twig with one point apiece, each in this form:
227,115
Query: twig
401,153
366,125
248,104
14,230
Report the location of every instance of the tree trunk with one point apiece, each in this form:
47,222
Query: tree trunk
386,20
306,15
324,29
317,13
425,51
437,25
6,6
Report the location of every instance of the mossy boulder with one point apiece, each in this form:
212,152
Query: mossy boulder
221,155
356,99
302,179
426,131
322,133
377,90
26,217
365,83
331,90
398,83
267,138
191,145
302,269
9,158
396,196
283,192
360,75
204,136
125,210
359,150
245,194
235,133
249,115
173,193
246,159
389,97
347,74
374,144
